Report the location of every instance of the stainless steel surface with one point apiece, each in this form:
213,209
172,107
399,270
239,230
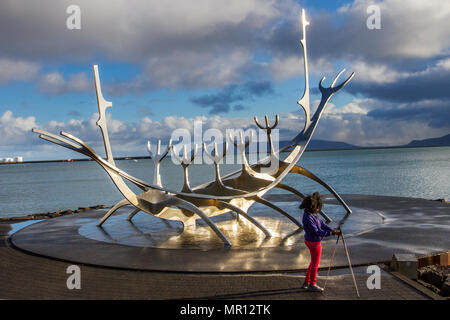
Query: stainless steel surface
149,231
225,193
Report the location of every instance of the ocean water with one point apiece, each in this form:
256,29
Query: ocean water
410,172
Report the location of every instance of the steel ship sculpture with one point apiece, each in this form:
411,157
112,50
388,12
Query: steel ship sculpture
234,192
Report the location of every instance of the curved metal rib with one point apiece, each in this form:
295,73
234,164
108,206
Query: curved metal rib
246,216
302,196
310,175
304,101
101,122
119,205
183,204
284,213
290,189
132,214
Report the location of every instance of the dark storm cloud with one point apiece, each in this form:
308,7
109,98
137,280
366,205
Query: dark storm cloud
344,34
177,44
228,98
436,113
433,83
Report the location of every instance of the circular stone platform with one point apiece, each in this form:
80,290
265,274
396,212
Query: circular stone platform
410,225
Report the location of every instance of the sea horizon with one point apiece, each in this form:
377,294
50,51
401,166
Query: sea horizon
131,157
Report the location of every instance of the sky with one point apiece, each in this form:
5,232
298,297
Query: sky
166,64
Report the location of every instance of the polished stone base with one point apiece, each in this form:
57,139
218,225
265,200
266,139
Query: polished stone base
411,225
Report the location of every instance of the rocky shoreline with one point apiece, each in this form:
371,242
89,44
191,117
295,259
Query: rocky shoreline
48,215
436,278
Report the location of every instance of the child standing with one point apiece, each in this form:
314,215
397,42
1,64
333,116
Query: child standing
315,231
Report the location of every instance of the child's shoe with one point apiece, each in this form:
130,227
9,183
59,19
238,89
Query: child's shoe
315,288
305,285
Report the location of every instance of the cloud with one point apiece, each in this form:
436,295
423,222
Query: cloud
17,70
402,70
15,130
432,82
228,98
177,44
357,106
54,83
371,122
380,74
360,122
211,44
413,33
411,29
200,70
282,68
434,112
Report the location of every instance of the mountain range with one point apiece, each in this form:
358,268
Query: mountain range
325,144
443,141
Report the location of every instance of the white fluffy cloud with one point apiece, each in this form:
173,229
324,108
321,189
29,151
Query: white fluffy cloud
54,83
376,73
15,130
357,106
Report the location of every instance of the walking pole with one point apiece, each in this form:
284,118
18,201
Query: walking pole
350,264
331,263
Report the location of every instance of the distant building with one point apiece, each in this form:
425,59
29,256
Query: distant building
11,160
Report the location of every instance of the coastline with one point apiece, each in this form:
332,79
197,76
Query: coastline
49,215
148,157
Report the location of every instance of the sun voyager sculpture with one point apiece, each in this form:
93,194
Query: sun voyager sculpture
234,192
